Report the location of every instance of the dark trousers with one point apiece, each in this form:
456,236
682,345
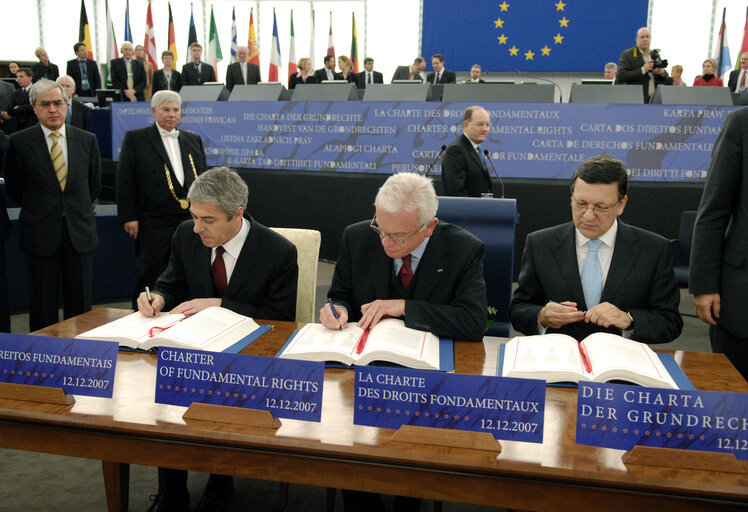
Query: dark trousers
66,266
173,482
734,347
359,501
4,301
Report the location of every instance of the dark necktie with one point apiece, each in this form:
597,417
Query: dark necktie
436,80
369,77
406,272
218,269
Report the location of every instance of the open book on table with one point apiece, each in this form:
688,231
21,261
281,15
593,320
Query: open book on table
389,341
215,329
600,357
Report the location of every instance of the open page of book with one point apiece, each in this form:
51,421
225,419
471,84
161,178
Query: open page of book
132,329
616,358
391,341
213,328
552,357
315,342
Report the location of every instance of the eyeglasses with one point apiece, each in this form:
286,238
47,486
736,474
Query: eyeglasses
481,125
601,211
395,237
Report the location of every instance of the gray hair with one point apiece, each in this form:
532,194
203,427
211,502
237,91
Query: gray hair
43,86
612,65
65,78
164,96
38,51
408,192
221,187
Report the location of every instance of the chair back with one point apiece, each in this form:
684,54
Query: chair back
494,222
307,242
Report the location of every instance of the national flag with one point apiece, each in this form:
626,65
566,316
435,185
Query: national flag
150,39
214,45
275,53
84,32
354,46
254,50
172,37
111,45
234,45
330,46
191,34
128,30
744,46
311,42
292,69
722,50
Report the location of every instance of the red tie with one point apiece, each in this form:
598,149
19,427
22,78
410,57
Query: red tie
406,273
218,268
742,81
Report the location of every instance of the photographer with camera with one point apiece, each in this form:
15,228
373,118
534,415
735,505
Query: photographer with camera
640,65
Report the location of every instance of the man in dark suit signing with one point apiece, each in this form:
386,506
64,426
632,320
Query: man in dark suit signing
739,77
464,171
718,274
156,167
635,66
84,71
597,274
128,74
368,75
197,72
242,72
440,75
222,257
54,172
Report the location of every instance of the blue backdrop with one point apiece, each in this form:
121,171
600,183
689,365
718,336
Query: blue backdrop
545,35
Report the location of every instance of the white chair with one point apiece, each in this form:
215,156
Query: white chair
307,242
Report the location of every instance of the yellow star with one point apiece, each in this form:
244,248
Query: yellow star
564,22
513,50
558,38
546,50
499,23
529,55
502,39
504,6
560,5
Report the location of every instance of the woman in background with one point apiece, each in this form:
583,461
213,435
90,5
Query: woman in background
346,71
140,55
304,75
708,78
166,78
676,74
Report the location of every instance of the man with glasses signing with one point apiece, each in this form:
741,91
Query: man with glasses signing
464,171
596,273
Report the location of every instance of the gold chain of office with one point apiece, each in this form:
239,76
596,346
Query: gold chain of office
183,203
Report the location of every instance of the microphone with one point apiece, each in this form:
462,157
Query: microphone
560,94
486,154
426,174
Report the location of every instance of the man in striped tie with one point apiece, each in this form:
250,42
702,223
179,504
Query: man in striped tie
53,171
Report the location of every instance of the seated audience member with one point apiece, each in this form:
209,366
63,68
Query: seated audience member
475,75
44,68
368,75
20,115
597,274
346,71
676,72
222,257
737,80
611,68
140,56
166,78
440,75
464,171
636,66
412,72
326,72
303,75
13,67
78,114
708,78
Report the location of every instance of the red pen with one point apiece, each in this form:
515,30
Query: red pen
585,358
362,342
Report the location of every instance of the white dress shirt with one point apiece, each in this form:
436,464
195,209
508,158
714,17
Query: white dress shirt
171,144
233,249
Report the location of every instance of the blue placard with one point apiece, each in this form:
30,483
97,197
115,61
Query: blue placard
506,408
79,367
620,416
527,140
287,388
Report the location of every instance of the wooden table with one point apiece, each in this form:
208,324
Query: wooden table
555,475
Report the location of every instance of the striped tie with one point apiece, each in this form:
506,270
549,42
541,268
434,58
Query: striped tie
58,160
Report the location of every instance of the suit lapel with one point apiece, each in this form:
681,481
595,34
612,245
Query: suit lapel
41,153
187,165
431,268
381,270
246,262
565,255
625,255
476,156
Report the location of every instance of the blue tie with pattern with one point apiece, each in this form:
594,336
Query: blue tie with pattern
592,275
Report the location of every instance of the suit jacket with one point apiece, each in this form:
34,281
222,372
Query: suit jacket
50,72
448,77
262,285
142,190
377,78
92,71
403,73
234,75
21,111
80,115
294,79
6,95
118,73
447,295
352,78
321,74
462,172
160,83
630,72
31,181
640,281
719,262
191,77
732,81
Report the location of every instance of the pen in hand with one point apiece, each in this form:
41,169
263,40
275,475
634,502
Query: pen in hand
335,314
150,299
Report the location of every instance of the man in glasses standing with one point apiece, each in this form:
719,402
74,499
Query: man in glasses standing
464,171
596,273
